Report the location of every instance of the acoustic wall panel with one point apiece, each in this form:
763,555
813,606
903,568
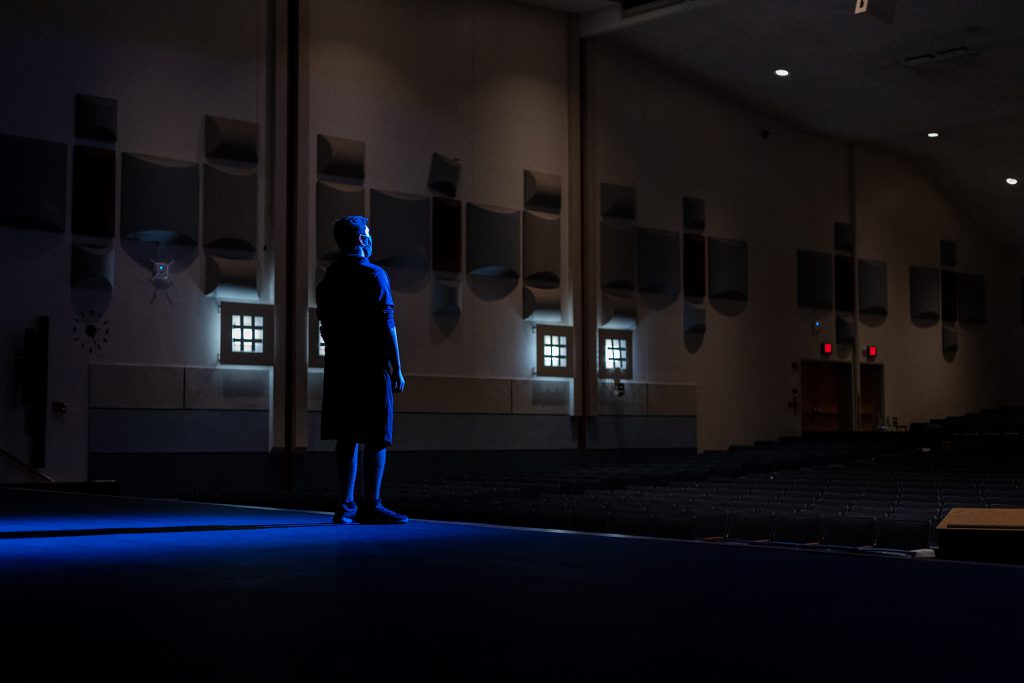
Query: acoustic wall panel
92,267
446,299
492,242
33,183
727,269
694,266
232,278
232,139
542,305
92,192
845,329
657,262
341,157
694,318
814,279
618,201
924,293
950,300
95,118
542,251
542,191
230,212
334,201
618,260
159,199
693,213
972,299
843,237
447,237
947,253
950,341
872,287
444,174
844,283
618,312
401,237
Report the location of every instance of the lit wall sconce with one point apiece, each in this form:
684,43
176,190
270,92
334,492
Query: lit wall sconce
616,353
246,334
554,351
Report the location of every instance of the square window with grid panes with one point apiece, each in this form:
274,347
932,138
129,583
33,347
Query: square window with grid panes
246,331
616,353
554,351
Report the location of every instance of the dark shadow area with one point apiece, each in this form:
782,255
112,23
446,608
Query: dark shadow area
693,341
730,307
491,288
872,319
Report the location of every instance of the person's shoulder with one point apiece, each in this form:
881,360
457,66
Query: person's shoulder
377,271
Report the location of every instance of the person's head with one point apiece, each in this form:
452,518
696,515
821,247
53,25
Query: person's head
352,233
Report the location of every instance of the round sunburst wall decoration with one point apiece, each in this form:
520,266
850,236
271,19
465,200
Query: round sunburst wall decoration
90,331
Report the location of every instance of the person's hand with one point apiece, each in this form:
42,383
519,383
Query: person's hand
398,382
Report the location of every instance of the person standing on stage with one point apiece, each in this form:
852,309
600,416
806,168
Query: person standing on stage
362,370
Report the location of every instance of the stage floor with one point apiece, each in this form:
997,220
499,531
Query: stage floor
129,588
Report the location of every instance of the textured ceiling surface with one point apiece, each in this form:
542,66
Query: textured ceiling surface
955,67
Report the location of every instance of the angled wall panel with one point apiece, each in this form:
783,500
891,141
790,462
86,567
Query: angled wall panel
844,283
727,269
618,260
618,312
33,183
401,237
694,318
814,279
92,192
843,237
694,266
341,157
230,212
542,250
446,242
618,201
232,139
334,201
924,293
159,199
542,305
92,267
950,300
492,242
657,262
232,278
872,287
950,342
95,118
444,174
542,191
446,299
972,299
845,329
693,213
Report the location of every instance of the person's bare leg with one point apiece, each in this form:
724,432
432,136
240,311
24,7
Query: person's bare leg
374,461
347,456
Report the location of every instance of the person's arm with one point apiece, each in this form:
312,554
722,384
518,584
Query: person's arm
397,379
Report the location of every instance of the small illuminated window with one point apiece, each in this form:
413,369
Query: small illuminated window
616,353
246,333
316,348
554,351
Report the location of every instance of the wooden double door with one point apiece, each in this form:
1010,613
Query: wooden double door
827,397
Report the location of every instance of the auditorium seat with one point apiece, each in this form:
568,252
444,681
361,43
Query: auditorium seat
797,529
908,535
749,526
849,532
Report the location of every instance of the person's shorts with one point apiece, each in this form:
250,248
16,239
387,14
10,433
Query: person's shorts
358,408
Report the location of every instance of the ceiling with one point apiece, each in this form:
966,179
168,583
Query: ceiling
861,78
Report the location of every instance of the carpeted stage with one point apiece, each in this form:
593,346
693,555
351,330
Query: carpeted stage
138,589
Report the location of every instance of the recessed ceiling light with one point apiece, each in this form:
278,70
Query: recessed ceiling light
933,135
1011,181
781,72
